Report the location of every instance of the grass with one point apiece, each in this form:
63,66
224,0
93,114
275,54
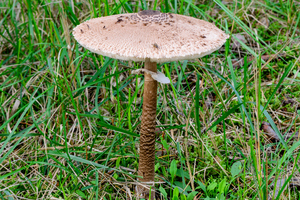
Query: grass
70,119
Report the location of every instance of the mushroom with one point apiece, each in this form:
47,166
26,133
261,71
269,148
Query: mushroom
152,37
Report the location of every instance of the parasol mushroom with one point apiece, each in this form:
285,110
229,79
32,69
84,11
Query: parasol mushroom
152,37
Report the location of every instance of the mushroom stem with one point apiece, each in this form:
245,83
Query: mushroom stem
147,134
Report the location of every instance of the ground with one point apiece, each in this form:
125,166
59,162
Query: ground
227,124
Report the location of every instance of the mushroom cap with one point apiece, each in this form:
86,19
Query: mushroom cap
150,36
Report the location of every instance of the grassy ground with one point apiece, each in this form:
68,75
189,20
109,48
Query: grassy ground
227,125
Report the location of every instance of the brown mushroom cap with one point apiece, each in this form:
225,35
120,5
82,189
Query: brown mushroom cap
150,35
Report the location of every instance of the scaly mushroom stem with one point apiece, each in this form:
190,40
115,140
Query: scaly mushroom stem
147,135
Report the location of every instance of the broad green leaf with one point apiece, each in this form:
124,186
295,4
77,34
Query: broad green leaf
236,168
191,195
173,168
222,186
201,186
157,165
220,197
175,193
165,144
212,186
183,197
80,193
163,191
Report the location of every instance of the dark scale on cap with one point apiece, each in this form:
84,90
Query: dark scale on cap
119,20
155,45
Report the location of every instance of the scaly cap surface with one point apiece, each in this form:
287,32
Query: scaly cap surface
150,35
